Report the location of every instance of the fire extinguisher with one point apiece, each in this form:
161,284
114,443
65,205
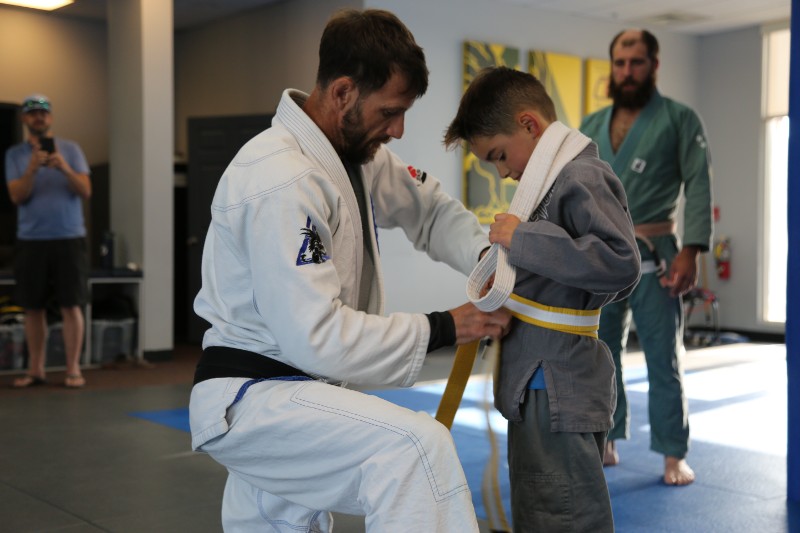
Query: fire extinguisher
722,255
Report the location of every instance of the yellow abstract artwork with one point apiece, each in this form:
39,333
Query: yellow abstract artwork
597,72
485,193
561,76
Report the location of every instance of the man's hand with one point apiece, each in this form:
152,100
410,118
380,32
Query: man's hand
682,276
38,159
502,229
489,284
56,160
473,324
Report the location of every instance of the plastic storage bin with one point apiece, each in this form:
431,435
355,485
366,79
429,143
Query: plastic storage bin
112,339
55,354
12,346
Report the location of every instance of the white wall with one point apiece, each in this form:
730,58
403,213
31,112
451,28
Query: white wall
730,101
718,75
240,65
141,74
66,59
413,282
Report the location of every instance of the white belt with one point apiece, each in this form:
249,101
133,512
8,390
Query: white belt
557,146
649,266
576,321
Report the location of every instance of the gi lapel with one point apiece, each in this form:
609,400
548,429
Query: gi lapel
316,146
621,161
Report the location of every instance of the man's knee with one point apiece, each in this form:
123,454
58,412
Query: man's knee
247,508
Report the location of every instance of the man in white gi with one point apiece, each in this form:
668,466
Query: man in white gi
292,288
658,149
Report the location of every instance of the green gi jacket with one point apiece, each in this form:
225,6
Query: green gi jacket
665,153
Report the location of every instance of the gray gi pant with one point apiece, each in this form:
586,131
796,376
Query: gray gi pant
557,480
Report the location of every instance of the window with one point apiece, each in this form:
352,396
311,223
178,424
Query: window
775,117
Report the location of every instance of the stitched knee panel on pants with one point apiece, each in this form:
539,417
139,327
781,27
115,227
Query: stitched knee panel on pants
542,502
428,440
293,519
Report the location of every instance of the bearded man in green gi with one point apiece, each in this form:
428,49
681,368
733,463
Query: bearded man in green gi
658,149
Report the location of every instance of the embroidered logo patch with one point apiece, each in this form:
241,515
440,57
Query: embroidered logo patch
701,142
541,212
638,165
312,251
418,175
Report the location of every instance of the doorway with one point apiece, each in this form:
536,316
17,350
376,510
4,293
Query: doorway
213,142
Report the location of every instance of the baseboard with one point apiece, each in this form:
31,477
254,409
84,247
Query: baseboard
157,355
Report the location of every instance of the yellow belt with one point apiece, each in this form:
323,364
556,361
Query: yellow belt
577,321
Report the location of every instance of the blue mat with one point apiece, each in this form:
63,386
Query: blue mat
738,423
174,418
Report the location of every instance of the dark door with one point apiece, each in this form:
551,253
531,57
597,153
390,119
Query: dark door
10,134
213,141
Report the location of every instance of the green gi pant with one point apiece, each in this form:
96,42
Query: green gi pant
659,327
557,479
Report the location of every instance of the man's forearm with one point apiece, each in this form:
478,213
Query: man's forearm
79,183
19,190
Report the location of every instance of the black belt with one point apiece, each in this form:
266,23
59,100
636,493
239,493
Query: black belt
225,362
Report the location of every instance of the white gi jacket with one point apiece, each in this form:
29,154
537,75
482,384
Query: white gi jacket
269,288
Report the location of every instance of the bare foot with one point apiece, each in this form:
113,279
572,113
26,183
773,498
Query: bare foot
28,381
677,471
611,457
74,381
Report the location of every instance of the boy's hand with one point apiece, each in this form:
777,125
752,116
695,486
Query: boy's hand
486,288
502,229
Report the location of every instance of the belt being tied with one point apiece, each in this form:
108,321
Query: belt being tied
558,146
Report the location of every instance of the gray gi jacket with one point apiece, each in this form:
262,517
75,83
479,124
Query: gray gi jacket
578,251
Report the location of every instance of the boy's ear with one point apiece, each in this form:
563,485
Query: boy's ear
530,122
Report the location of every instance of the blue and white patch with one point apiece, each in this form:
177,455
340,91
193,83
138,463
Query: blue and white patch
312,251
638,165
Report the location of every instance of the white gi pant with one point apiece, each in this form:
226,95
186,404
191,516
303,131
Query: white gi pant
296,450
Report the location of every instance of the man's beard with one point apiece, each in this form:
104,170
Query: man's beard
356,147
635,99
38,132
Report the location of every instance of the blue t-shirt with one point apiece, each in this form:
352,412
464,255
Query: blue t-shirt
53,210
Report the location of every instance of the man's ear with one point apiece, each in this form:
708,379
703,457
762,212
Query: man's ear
343,93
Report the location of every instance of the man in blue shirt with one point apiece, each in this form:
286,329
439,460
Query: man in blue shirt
48,179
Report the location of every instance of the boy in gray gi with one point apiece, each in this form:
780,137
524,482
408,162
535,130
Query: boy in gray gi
576,253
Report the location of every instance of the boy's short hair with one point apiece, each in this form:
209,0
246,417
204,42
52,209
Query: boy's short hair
492,100
369,46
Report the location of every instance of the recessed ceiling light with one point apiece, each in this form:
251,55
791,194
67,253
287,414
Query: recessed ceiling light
676,17
47,5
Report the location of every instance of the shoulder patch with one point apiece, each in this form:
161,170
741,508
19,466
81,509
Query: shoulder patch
312,251
701,142
417,175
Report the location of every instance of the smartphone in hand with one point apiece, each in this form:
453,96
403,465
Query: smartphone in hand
47,144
